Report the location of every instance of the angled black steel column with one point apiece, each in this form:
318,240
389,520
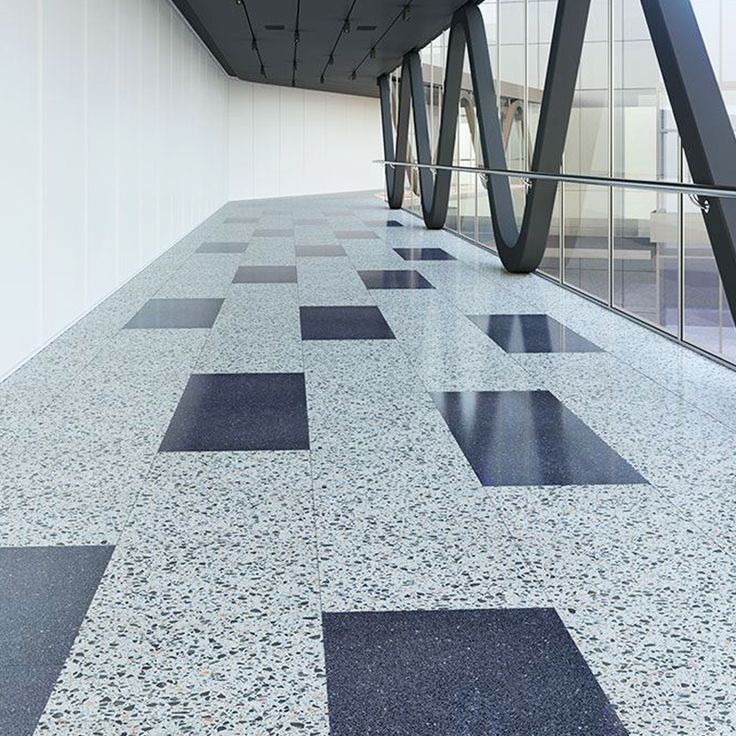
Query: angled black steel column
700,112
394,177
520,251
702,121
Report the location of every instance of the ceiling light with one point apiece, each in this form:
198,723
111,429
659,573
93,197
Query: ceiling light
331,60
254,45
346,26
372,52
354,75
406,12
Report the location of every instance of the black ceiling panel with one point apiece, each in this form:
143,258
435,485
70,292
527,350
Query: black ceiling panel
392,27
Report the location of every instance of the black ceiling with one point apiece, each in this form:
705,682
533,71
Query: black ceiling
392,27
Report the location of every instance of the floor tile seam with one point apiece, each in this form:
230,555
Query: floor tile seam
683,514
61,391
423,383
195,361
315,502
689,402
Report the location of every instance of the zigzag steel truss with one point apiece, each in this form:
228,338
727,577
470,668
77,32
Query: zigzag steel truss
700,113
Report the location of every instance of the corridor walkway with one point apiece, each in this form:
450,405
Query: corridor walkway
316,450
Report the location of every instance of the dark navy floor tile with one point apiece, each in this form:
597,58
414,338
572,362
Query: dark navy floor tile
320,250
240,220
532,333
424,254
382,223
402,279
44,595
514,672
176,313
265,275
344,323
274,233
529,438
240,411
355,235
24,692
220,247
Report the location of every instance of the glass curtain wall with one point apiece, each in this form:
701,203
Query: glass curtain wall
644,253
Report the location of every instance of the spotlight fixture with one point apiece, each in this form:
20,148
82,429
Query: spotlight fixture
296,36
346,26
372,53
406,12
254,44
322,79
354,76
331,60
294,65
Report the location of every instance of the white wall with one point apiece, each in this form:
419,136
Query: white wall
286,141
120,133
113,144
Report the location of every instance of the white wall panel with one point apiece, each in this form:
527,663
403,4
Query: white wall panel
115,146
20,181
123,135
63,154
287,141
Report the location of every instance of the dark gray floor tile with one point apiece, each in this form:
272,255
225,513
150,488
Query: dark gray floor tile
394,279
44,595
532,333
529,438
424,254
240,411
344,323
265,275
222,247
24,692
510,672
176,313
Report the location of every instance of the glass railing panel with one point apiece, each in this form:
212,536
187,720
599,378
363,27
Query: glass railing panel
586,244
646,256
707,321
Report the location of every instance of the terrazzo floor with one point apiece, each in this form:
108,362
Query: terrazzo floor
341,475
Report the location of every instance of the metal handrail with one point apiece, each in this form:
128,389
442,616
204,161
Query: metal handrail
697,190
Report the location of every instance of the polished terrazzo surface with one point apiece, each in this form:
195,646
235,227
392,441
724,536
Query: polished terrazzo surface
281,464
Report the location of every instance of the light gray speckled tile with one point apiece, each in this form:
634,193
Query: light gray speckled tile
226,498
201,276
269,252
257,331
418,551
336,282
374,257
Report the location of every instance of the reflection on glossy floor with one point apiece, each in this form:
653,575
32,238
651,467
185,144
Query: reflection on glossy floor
333,502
